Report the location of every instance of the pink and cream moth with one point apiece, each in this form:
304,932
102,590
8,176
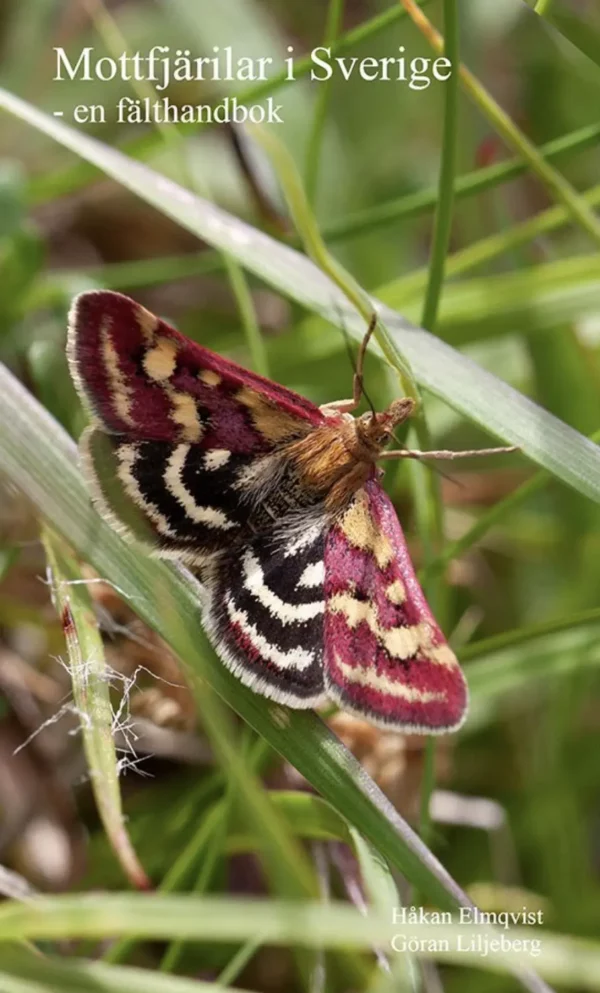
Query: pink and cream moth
276,504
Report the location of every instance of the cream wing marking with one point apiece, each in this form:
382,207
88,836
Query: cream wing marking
216,458
371,679
121,390
400,642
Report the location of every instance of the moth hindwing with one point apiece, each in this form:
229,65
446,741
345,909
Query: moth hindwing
277,504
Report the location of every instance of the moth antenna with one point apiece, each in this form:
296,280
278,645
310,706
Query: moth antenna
370,402
353,358
432,468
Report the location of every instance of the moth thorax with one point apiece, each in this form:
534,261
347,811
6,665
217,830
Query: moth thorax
325,455
331,462
284,493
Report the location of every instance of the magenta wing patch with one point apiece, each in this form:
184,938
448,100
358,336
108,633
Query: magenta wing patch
144,380
385,657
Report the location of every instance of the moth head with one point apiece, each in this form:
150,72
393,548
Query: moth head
376,429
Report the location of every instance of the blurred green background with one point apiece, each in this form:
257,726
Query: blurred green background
521,297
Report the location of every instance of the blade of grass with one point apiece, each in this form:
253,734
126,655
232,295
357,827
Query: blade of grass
56,285
312,818
414,204
510,681
216,825
404,292
525,634
484,523
191,853
315,246
571,24
51,289
539,297
401,291
334,19
239,962
445,200
572,961
90,681
245,303
555,183
469,389
29,972
432,523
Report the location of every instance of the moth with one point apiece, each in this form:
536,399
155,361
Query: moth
277,504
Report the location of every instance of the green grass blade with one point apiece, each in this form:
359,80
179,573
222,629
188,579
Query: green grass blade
25,972
414,204
89,678
567,960
508,678
575,26
474,392
333,23
432,523
536,298
523,635
443,213
488,249
558,187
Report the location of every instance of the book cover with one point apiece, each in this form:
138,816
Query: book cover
299,484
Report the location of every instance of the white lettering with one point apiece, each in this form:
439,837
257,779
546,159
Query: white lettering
62,59
445,64
324,65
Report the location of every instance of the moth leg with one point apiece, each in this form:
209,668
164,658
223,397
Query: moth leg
347,406
446,454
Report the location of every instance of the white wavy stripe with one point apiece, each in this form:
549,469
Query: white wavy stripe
200,514
297,658
127,456
287,613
